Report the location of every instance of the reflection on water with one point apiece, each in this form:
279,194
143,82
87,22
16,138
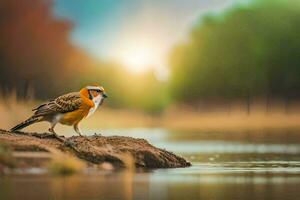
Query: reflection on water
225,166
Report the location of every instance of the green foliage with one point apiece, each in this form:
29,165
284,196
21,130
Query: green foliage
142,91
250,50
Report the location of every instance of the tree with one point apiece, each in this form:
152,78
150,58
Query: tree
248,51
34,48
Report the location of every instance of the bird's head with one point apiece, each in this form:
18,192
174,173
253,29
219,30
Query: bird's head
94,92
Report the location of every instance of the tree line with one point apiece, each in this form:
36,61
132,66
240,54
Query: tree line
249,51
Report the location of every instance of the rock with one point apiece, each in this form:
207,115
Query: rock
118,151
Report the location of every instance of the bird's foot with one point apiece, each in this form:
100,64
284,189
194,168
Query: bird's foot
48,135
97,134
84,136
69,143
52,132
54,135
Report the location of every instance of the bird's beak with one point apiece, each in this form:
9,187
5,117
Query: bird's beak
104,95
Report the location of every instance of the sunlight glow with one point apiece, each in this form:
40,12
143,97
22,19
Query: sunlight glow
142,56
138,59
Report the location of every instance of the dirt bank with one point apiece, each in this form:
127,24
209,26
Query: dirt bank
116,150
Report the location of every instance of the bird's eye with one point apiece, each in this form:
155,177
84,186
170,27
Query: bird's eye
96,90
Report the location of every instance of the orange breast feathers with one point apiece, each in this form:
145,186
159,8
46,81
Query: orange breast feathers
76,116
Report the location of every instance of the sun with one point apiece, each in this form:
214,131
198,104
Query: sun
138,59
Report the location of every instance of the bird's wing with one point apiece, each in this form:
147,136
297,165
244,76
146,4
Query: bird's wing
63,104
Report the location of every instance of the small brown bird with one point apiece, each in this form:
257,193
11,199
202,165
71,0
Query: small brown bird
68,109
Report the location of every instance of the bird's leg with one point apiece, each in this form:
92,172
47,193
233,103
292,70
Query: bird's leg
77,130
51,130
65,141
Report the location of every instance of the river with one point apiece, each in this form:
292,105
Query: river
226,165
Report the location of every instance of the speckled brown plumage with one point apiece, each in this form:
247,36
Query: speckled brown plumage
62,104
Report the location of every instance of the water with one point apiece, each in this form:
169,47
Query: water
226,165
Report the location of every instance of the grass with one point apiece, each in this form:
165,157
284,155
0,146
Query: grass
62,164
257,120
189,119
14,111
6,157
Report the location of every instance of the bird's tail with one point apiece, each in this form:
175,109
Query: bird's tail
25,123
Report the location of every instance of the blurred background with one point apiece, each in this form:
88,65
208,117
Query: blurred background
163,63
216,81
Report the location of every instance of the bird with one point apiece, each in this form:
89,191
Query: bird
68,109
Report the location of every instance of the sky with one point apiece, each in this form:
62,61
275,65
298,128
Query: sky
136,33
